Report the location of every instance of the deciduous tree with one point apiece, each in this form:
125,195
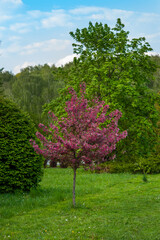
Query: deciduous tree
80,138
35,86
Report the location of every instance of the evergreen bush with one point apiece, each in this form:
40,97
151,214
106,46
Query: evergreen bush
20,165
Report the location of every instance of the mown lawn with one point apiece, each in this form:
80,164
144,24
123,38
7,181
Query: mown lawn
109,206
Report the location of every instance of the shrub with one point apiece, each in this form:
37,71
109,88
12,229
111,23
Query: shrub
20,166
142,165
120,167
148,165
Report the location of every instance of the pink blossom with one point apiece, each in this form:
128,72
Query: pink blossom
79,139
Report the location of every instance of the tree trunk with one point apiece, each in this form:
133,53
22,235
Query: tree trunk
74,185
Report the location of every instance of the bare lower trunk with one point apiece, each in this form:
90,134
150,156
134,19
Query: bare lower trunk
74,185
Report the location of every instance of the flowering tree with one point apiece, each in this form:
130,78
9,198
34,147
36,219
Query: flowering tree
80,138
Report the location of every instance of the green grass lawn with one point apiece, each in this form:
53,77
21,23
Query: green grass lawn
109,206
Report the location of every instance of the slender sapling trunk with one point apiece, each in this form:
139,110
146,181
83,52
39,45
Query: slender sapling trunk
74,185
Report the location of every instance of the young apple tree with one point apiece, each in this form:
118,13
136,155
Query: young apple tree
80,138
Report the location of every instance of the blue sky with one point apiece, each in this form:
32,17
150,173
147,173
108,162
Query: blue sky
36,32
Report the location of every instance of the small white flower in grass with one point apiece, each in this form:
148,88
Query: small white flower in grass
66,220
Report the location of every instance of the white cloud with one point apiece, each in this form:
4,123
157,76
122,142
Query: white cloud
14,38
99,13
4,17
148,17
153,35
12,48
46,46
8,9
56,18
21,66
153,53
85,10
112,14
2,28
37,14
65,60
52,45
20,27
16,2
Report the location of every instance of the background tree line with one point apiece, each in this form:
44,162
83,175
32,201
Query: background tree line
32,88
36,86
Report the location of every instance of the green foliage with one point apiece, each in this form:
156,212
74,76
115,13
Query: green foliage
1,83
35,86
120,167
150,165
20,166
6,80
1,88
155,82
118,71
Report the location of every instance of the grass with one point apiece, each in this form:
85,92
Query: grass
109,207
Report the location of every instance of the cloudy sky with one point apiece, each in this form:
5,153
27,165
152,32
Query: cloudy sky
36,32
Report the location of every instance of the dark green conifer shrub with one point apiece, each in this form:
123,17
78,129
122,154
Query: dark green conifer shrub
20,166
